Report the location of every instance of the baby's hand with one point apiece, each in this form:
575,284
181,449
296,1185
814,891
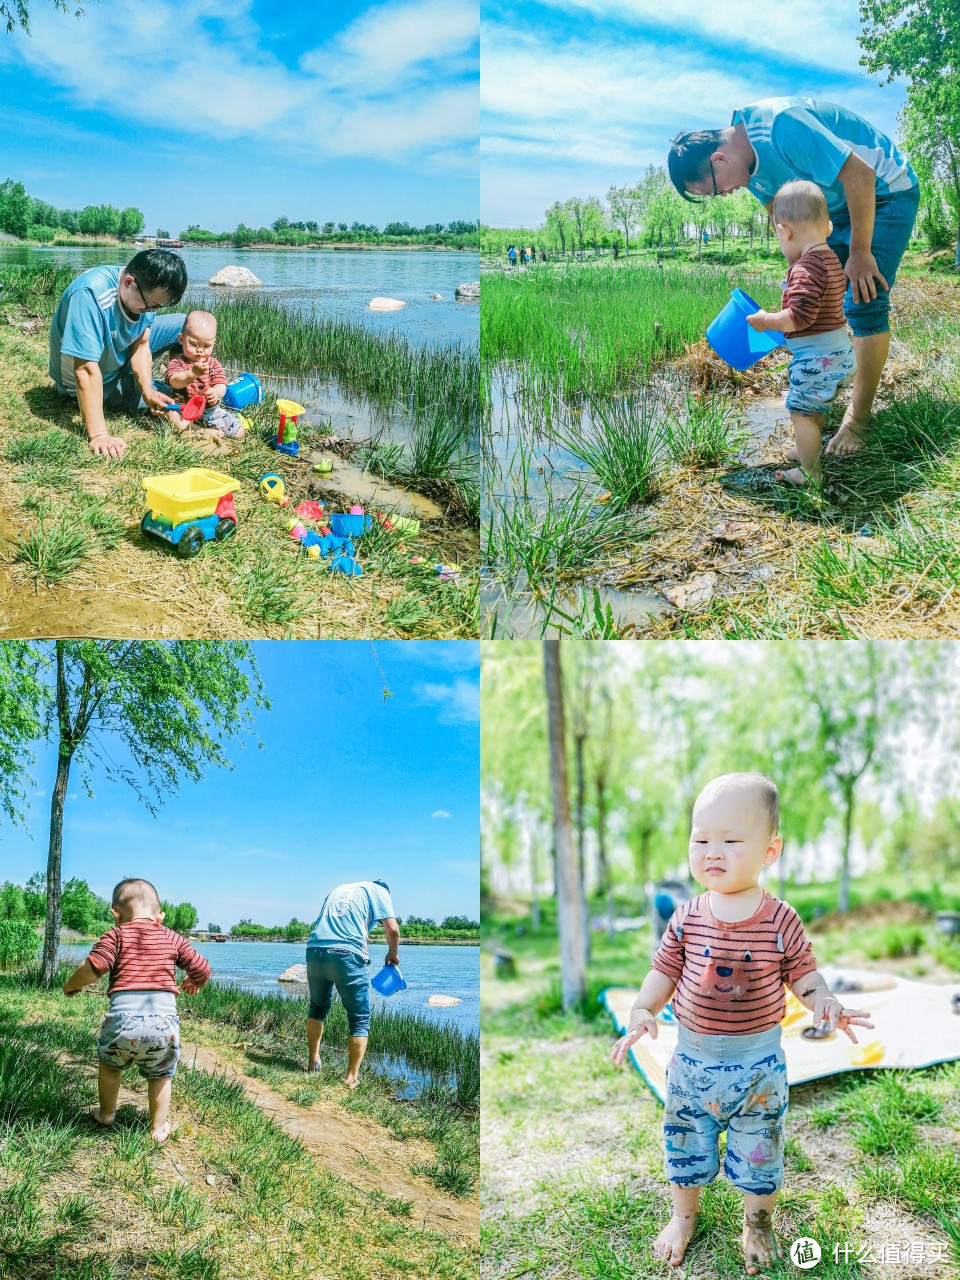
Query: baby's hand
827,1008
213,395
758,321
646,1023
200,366
188,987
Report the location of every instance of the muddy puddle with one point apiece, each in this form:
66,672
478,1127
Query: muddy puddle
528,459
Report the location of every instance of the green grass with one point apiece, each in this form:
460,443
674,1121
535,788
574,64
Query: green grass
83,1203
54,550
623,446
704,432
598,331
38,288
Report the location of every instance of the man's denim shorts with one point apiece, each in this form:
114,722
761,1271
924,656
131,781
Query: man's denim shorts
892,228
345,969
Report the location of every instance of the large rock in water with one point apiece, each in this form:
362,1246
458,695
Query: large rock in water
386,304
296,973
236,278
469,292
445,1002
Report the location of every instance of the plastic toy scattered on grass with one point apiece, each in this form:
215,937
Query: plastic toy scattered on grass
310,510
323,467
399,524
188,508
285,441
243,391
272,488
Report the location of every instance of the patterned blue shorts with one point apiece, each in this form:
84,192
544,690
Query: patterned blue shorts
737,1083
150,1041
820,366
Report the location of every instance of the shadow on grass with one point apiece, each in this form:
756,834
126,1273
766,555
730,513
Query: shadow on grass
908,443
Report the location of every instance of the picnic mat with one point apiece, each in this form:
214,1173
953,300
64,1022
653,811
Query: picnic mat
914,1026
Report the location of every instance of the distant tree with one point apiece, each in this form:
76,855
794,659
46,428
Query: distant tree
171,705
131,222
458,922
296,930
281,224
626,205
342,226
329,228
180,918
559,223
311,226
214,928
83,910
16,209
423,921
163,234
243,236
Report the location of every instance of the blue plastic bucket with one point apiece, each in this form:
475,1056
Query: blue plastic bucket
243,392
388,980
347,526
732,338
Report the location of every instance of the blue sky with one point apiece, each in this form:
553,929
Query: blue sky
577,95
347,787
240,110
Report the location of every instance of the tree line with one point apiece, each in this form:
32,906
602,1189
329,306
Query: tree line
27,218
412,927
456,234
592,758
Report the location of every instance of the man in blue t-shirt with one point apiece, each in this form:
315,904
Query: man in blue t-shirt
337,957
872,195
104,335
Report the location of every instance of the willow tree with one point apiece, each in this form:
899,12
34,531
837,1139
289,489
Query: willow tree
172,706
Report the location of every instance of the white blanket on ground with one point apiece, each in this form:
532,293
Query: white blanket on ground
914,1026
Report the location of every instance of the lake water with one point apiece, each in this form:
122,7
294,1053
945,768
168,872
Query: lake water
333,283
449,971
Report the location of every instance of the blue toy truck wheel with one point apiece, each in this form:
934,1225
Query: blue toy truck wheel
190,542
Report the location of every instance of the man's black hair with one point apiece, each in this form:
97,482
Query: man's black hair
383,884
158,270
689,158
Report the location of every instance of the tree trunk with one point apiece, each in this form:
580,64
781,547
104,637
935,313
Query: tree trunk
645,866
602,853
573,966
534,897
51,937
581,861
844,904
723,242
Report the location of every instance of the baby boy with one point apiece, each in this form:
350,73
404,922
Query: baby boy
198,373
141,1028
811,319
724,959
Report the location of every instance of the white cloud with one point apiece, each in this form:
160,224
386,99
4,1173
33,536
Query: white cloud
373,90
440,813
458,702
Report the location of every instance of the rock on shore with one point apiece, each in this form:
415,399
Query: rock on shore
469,292
445,1002
236,278
296,973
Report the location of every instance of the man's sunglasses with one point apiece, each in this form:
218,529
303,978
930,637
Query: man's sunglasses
156,305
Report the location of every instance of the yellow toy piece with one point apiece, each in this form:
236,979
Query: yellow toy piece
290,408
867,1055
272,488
313,553
187,495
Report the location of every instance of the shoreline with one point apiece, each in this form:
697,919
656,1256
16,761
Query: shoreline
259,247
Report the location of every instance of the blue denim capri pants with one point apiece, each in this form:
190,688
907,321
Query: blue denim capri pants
345,969
892,227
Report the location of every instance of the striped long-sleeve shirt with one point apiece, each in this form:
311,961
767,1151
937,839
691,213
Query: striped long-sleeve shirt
142,956
730,976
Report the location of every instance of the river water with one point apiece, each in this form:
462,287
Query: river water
449,971
334,283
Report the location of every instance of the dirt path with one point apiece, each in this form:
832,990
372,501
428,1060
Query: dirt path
353,1147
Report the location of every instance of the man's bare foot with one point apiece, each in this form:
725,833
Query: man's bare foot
671,1243
161,1134
105,1120
351,1082
848,440
795,476
759,1242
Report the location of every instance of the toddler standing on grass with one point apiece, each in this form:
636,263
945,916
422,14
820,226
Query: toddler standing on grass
199,373
811,319
141,1028
724,959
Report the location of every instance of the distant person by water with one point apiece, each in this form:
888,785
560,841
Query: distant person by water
337,956
512,255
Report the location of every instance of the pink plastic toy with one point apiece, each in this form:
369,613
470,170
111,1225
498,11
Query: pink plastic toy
297,532
356,510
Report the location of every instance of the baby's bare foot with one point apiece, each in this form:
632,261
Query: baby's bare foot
161,1134
105,1120
759,1242
671,1243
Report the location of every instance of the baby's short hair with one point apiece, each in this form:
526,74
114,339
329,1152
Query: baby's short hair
800,201
136,895
201,318
758,787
